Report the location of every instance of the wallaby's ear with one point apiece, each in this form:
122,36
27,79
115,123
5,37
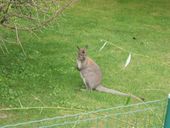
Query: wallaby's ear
86,46
78,48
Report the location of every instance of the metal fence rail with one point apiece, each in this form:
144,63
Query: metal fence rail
141,115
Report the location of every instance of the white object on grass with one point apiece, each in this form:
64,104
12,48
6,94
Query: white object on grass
103,46
128,60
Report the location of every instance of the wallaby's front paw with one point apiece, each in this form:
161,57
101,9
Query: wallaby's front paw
77,68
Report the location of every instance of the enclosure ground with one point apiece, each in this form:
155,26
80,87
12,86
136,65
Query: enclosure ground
46,77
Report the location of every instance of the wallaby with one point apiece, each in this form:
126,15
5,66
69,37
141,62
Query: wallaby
92,76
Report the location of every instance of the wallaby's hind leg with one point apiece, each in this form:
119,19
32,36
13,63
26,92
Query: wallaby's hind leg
84,81
91,85
87,85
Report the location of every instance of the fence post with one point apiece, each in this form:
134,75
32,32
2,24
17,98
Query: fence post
167,118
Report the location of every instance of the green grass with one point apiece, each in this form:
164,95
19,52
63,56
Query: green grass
47,76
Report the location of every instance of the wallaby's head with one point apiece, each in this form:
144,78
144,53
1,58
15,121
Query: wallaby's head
82,53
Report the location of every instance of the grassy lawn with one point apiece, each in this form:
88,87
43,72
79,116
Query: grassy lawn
47,76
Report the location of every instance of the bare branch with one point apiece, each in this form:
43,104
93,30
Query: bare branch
5,46
30,15
2,49
38,11
18,40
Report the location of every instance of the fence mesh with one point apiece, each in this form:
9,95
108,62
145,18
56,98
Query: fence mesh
142,115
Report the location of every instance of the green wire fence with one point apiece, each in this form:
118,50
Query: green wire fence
167,118
151,114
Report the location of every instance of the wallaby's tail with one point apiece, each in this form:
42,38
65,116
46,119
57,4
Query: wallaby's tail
112,91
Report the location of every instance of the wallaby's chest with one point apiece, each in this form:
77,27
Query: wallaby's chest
79,64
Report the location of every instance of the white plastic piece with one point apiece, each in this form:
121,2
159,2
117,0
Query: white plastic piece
103,45
128,60
169,96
